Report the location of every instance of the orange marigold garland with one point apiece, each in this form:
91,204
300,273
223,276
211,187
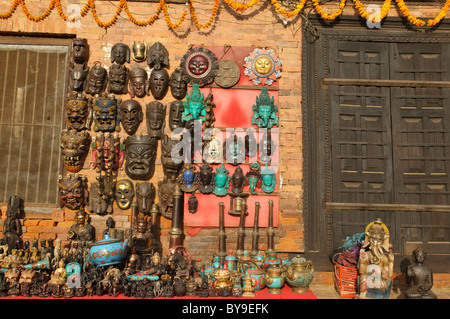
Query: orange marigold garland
327,16
41,17
150,21
288,14
241,6
11,10
211,19
167,18
419,22
364,14
109,23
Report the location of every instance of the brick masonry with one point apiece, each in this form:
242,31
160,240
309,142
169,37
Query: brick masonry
262,28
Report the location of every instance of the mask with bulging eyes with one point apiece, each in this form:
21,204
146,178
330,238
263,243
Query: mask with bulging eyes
124,193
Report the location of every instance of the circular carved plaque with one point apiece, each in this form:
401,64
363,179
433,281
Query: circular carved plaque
199,65
228,75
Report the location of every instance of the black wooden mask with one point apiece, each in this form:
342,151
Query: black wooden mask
138,82
78,76
118,78
80,50
140,156
156,119
158,56
159,83
120,53
131,116
97,80
145,197
178,86
175,114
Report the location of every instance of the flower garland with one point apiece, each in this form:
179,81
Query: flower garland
150,21
288,14
239,7
419,22
364,14
211,19
167,17
327,16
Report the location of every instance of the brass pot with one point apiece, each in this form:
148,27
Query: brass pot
222,279
275,278
300,274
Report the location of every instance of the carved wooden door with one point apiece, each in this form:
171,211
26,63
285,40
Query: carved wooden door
390,141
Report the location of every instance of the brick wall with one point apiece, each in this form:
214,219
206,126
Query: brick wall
261,29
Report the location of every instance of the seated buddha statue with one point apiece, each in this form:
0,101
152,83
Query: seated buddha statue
419,277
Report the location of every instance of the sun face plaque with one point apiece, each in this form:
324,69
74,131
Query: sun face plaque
263,67
199,65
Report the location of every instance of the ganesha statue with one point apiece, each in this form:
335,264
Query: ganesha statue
264,111
376,262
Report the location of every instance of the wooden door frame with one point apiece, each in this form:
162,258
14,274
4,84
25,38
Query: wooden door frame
316,37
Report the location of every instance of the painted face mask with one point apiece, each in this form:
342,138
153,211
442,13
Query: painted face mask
105,112
78,111
140,156
107,152
73,191
124,193
130,115
74,149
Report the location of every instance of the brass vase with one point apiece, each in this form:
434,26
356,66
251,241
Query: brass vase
300,274
222,279
275,278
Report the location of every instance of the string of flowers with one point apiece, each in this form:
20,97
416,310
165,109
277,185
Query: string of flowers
364,14
288,14
211,19
150,21
41,17
327,16
11,10
239,7
167,17
419,22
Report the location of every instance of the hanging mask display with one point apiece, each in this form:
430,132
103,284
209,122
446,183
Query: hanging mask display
264,111
118,78
222,181
199,65
105,111
262,67
140,156
175,115
130,115
124,193
97,80
74,149
157,57
206,179
120,53
78,111
145,197
228,74
108,151
80,50
73,191
77,77
159,83
101,196
178,86
188,178
156,119
138,83
139,51
171,167
194,106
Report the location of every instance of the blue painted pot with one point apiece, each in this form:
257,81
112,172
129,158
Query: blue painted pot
108,251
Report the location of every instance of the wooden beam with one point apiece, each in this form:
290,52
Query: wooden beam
385,83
